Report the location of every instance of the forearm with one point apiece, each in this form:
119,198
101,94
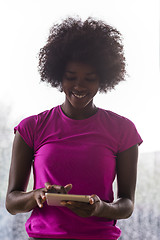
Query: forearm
120,209
20,202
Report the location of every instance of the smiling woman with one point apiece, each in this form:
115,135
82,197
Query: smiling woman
76,147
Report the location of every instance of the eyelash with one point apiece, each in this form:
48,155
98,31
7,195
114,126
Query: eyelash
90,80
70,79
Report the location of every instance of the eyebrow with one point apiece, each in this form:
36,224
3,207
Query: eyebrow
91,73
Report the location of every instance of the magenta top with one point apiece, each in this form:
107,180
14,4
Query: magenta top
81,152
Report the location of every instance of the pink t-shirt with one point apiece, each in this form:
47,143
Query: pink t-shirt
81,152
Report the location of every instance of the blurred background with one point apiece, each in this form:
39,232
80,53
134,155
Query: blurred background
24,26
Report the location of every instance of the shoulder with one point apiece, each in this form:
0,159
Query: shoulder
46,117
115,118
31,127
120,128
39,118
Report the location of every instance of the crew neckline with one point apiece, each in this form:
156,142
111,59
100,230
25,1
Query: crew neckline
77,120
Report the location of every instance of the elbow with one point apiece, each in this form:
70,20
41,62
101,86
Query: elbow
129,208
129,214
9,207
10,210
125,208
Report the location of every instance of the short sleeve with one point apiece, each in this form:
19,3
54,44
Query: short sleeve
129,135
26,129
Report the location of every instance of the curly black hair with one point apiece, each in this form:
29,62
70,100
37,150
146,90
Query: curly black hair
91,41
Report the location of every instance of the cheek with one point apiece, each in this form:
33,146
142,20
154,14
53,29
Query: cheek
95,89
65,86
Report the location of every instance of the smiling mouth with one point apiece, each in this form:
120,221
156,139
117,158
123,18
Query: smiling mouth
78,95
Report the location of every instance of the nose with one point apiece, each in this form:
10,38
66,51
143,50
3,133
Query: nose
79,88
79,85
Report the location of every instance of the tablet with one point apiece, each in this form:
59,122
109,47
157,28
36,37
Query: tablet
54,199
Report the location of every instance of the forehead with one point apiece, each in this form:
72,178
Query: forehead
79,67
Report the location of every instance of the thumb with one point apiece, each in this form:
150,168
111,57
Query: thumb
68,187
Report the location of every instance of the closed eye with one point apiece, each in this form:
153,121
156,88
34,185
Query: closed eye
90,79
70,78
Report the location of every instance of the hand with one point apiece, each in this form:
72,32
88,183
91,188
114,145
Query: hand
39,194
93,208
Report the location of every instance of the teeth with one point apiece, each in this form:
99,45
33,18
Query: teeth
79,96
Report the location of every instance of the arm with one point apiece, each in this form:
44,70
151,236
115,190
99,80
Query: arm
126,180
17,199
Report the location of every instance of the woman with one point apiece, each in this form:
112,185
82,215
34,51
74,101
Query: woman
76,147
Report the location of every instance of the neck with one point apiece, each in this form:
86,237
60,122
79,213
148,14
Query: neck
78,114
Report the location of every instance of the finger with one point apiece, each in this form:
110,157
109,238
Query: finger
48,185
43,196
58,189
39,202
68,187
93,199
76,204
83,210
63,203
54,188
68,203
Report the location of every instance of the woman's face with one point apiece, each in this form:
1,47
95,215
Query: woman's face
80,83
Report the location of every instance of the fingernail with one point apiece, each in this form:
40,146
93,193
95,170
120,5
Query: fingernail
91,201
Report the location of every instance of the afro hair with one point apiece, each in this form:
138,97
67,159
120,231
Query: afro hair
91,41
